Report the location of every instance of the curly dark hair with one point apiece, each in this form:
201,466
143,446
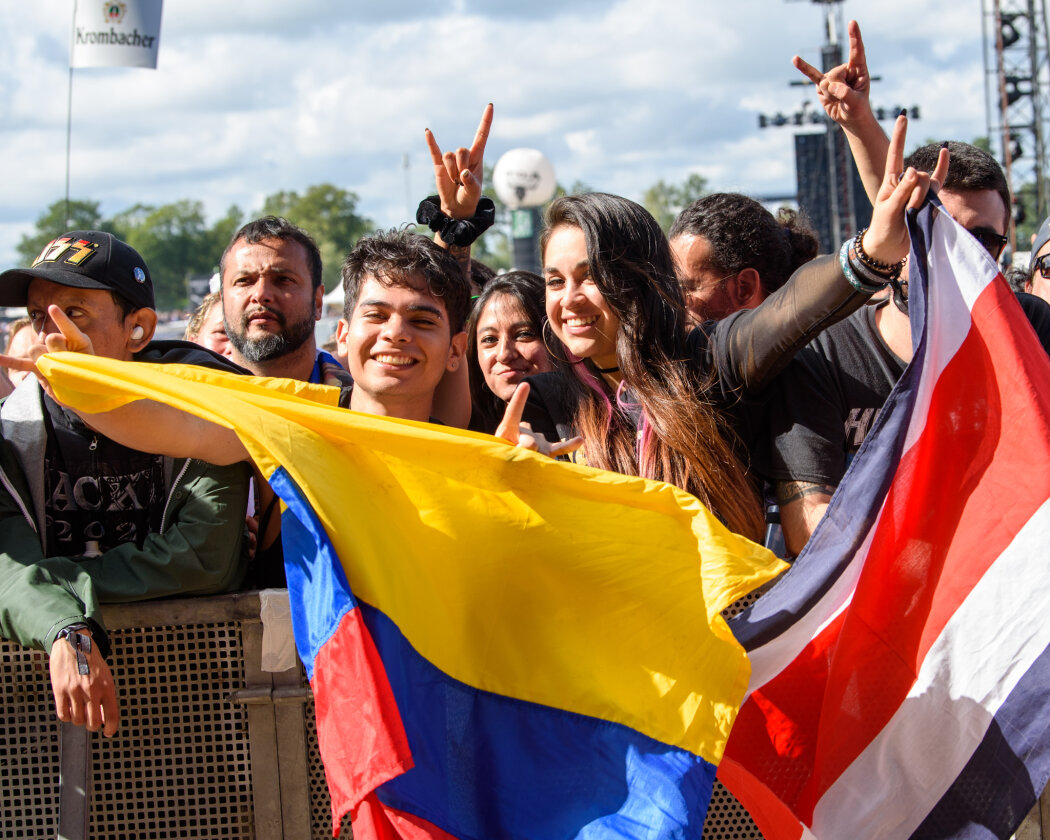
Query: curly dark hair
393,258
744,234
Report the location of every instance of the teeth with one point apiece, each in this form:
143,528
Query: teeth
391,359
580,322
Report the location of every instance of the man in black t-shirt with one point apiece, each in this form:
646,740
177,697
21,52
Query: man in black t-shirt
825,401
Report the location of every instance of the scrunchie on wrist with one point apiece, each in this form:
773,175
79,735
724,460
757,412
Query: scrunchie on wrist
458,232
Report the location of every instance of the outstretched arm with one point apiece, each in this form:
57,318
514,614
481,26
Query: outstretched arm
458,174
458,178
844,91
144,425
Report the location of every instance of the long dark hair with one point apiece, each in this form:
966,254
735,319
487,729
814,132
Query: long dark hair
682,437
527,289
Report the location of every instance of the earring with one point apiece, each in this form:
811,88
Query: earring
550,352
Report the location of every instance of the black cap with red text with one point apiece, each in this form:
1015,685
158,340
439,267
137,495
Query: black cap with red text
85,259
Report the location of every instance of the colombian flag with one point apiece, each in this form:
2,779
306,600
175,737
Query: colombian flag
500,645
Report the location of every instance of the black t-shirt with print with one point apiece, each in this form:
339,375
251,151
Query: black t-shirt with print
98,494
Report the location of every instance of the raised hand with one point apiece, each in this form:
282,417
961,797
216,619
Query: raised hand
843,90
511,429
458,175
886,239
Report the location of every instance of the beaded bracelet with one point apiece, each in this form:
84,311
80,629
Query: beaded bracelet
864,271
847,270
889,270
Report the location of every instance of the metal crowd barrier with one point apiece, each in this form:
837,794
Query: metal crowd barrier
210,744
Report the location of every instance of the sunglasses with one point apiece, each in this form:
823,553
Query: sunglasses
991,241
1042,265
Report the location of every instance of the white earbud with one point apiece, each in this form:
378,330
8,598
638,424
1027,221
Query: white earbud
137,333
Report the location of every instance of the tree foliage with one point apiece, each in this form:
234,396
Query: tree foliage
83,215
329,214
665,201
177,242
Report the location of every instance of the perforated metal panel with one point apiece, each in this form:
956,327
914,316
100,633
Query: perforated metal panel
29,732
320,802
180,765
727,819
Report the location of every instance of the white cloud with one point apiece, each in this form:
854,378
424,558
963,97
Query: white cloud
253,97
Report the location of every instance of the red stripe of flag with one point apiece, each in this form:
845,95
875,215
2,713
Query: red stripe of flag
923,563
800,731
375,821
360,735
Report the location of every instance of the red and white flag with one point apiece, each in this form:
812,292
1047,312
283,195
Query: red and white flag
901,668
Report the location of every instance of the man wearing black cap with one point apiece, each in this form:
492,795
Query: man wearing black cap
84,520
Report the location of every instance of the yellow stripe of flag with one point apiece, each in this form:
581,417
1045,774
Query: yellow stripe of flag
544,581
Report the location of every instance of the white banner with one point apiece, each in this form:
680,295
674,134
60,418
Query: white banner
116,33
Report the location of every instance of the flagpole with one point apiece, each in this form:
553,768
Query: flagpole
69,113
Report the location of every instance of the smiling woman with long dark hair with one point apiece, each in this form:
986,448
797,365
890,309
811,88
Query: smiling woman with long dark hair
648,394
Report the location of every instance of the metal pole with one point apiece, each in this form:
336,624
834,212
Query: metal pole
832,57
69,114
406,164
1004,126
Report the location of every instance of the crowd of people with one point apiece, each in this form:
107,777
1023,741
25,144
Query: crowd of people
728,359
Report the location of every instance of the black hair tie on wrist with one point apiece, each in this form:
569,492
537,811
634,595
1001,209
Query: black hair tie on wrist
458,232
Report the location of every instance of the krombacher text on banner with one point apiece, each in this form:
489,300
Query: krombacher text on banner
116,33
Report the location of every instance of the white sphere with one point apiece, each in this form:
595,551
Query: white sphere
524,178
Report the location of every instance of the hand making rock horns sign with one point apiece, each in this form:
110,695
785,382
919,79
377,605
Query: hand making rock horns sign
459,174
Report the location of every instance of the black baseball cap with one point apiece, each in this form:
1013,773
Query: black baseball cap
86,259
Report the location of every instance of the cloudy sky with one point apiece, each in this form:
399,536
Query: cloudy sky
255,96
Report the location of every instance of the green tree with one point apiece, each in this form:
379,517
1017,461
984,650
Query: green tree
222,232
329,214
665,201
176,243
83,215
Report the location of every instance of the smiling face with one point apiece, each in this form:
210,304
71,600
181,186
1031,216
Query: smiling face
510,346
398,347
578,314
268,300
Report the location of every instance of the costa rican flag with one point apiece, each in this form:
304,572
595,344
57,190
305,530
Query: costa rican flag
901,673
